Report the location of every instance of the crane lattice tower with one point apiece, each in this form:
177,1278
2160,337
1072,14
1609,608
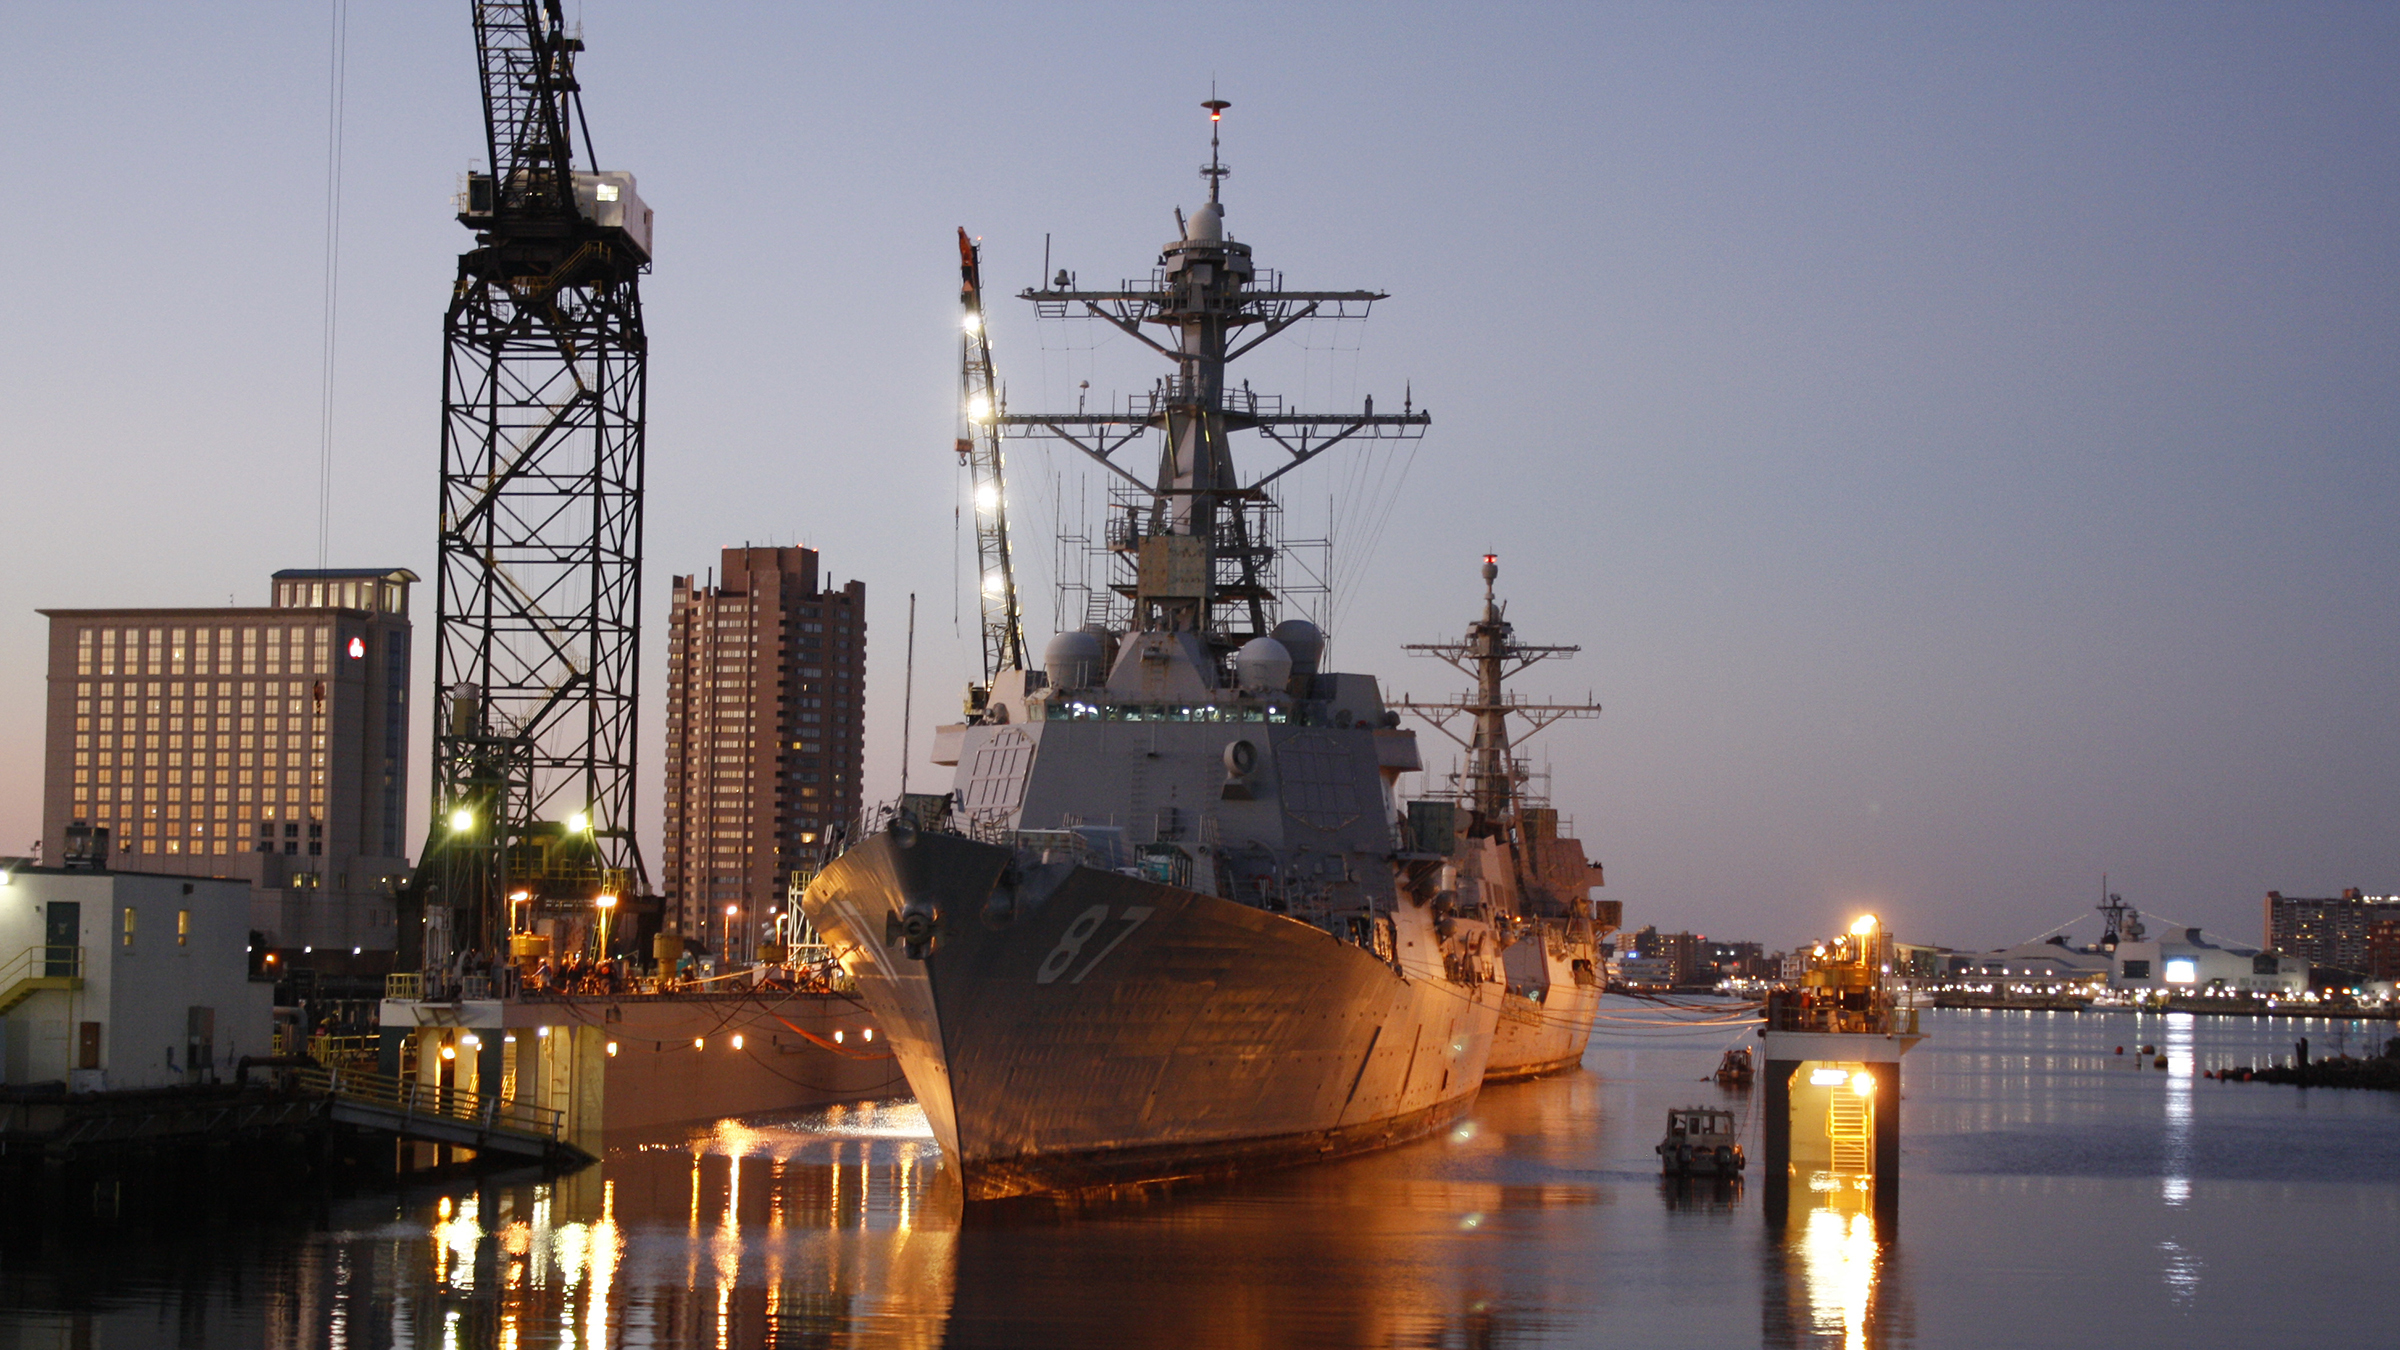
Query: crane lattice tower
538,627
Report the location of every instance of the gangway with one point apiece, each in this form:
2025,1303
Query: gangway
433,1114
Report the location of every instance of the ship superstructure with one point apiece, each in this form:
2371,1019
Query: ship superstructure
1166,923
1511,860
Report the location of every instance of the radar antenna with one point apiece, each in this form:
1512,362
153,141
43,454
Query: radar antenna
2120,922
1193,546
1216,170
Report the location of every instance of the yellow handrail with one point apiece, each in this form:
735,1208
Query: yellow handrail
431,1099
38,969
45,957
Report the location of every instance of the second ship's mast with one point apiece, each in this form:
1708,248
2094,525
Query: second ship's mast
1200,561
1491,655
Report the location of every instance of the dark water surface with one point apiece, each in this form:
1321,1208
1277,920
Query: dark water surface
2053,1193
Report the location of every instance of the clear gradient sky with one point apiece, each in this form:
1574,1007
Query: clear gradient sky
1963,438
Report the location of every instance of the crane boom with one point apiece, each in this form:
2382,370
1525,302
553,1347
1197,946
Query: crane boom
979,450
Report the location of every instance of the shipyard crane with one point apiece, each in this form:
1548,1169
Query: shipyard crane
979,451
537,622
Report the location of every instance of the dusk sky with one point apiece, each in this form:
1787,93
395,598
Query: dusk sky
1963,439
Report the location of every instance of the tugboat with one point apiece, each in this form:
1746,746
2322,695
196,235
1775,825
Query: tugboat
1701,1141
1737,1067
1510,859
1167,924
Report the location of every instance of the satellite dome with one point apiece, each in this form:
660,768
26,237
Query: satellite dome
1305,641
1072,660
1262,663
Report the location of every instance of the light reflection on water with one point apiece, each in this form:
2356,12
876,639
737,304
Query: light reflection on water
2176,1186
1841,1255
2039,1169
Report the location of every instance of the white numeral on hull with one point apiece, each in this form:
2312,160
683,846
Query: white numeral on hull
1080,932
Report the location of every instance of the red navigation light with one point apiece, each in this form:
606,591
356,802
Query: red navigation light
1490,558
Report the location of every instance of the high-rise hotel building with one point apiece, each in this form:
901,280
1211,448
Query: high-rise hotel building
766,675
268,745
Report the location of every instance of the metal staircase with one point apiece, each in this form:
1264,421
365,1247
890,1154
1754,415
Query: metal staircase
40,968
1850,1124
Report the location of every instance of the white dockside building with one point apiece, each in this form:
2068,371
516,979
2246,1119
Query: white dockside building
118,980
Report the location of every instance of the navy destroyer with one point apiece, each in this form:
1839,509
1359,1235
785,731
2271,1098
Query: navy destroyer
1512,861
1170,921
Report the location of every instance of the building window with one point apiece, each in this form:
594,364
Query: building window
183,927
127,938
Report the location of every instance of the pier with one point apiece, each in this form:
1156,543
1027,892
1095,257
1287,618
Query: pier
1832,1079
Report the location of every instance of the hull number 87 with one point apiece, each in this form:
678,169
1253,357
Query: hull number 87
1079,935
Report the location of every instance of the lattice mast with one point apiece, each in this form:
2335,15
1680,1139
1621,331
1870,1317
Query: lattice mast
979,450
1202,560
537,628
1491,655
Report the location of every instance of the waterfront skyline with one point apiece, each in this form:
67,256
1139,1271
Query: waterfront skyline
1962,442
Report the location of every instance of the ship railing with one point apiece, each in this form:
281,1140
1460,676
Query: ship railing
1048,846
343,1052
1787,1013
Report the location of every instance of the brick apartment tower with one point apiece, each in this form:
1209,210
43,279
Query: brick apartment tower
766,676
264,744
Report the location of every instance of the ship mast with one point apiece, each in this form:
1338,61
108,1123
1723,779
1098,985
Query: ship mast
1491,655
1200,559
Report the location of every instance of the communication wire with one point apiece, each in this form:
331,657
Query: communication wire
336,99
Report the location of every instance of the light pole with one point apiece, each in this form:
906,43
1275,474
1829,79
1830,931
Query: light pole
607,905
730,912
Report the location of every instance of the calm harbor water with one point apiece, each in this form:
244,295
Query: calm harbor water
2053,1193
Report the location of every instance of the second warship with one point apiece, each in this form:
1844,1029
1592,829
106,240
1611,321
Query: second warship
1170,920
1512,862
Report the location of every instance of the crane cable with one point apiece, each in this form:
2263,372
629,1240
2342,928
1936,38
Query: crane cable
336,100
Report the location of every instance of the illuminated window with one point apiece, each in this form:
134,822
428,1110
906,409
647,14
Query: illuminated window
127,939
2183,970
183,924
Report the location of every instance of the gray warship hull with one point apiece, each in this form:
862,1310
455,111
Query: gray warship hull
1072,1028
1549,1033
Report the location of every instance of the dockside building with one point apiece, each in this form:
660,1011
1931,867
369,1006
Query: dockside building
766,672
266,745
2332,931
125,980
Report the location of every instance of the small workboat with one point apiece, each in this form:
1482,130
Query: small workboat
1736,1068
1701,1141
